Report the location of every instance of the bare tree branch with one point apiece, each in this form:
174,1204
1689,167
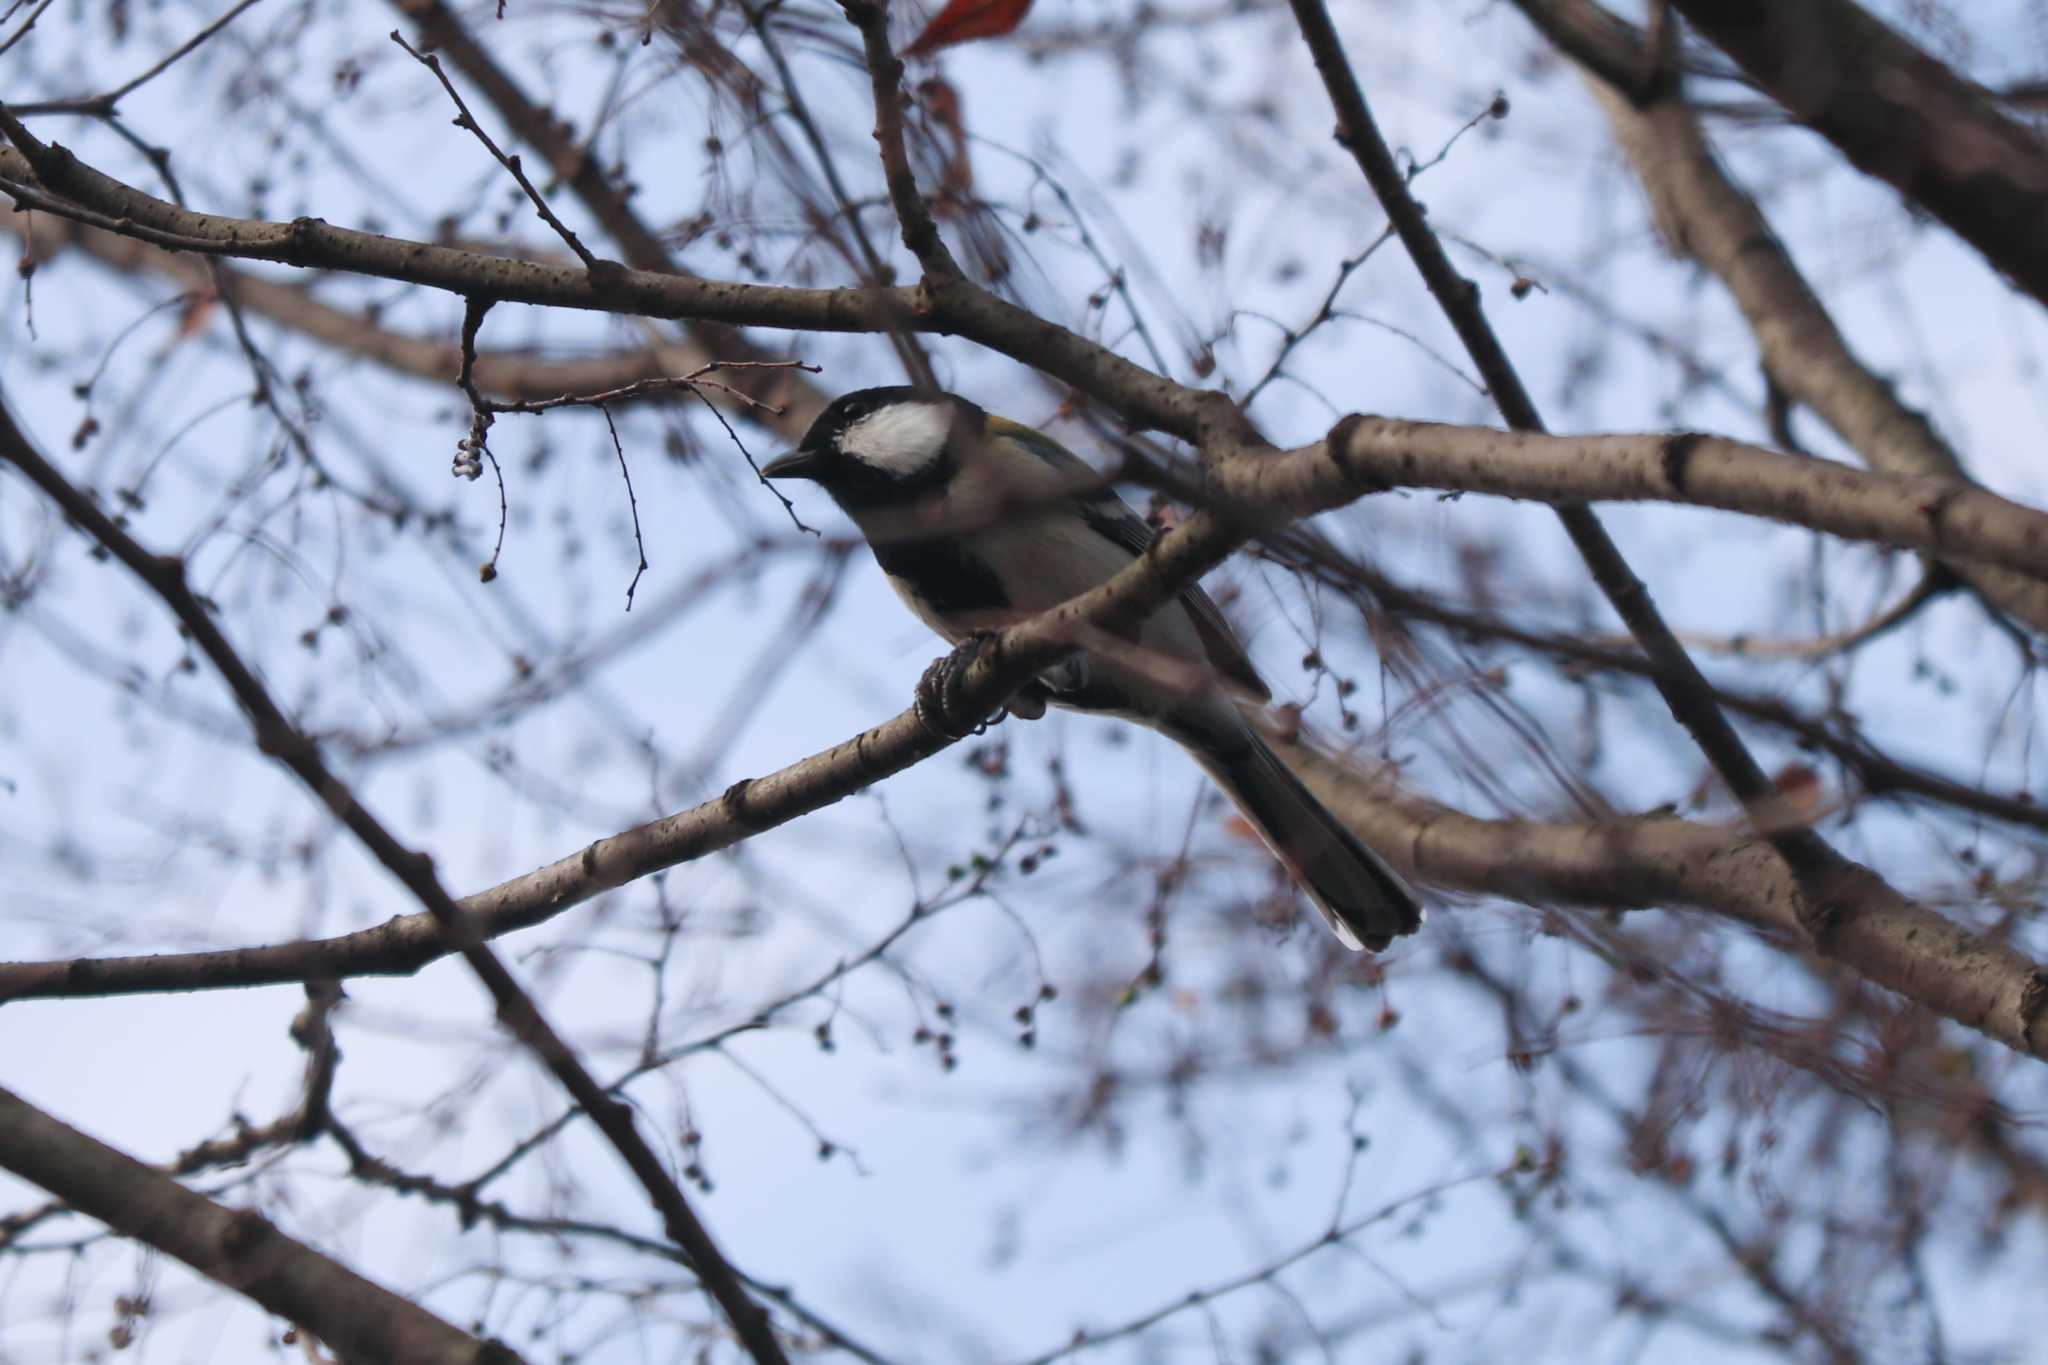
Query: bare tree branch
104,104
1705,215
1899,115
278,738
512,376
237,1248
1685,691
1662,861
467,120
1609,46
1937,515
798,400
1923,514
885,75
313,1031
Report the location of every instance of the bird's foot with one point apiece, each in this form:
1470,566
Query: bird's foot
939,706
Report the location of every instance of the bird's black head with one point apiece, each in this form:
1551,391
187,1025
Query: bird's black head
880,445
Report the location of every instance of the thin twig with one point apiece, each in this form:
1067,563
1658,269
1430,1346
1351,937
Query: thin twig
692,381
277,737
639,544
1497,107
487,571
1933,584
1114,274
915,362
102,105
753,464
1291,337
1335,1235
464,119
26,25
474,447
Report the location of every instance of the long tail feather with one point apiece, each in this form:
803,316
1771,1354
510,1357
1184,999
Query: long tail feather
1364,901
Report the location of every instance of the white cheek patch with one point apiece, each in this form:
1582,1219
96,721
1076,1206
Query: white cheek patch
900,439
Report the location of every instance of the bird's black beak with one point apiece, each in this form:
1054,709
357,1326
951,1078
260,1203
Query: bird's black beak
797,464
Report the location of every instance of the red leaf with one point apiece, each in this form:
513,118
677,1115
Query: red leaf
198,311
963,21
956,180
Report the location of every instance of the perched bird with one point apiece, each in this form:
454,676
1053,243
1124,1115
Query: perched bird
980,522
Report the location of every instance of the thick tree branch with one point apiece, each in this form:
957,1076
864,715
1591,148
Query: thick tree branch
1596,39
1940,516
1685,691
1705,215
59,183
1662,861
511,375
1963,523
1638,863
1899,115
237,1248
1833,891
315,244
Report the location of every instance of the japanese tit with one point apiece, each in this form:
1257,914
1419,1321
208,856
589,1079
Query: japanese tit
980,522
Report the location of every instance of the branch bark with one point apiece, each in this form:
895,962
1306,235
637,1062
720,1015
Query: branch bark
510,375
1705,215
1663,861
1898,114
1685,691
1964,523
1840,906
1650,862
237,1248
1941,516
